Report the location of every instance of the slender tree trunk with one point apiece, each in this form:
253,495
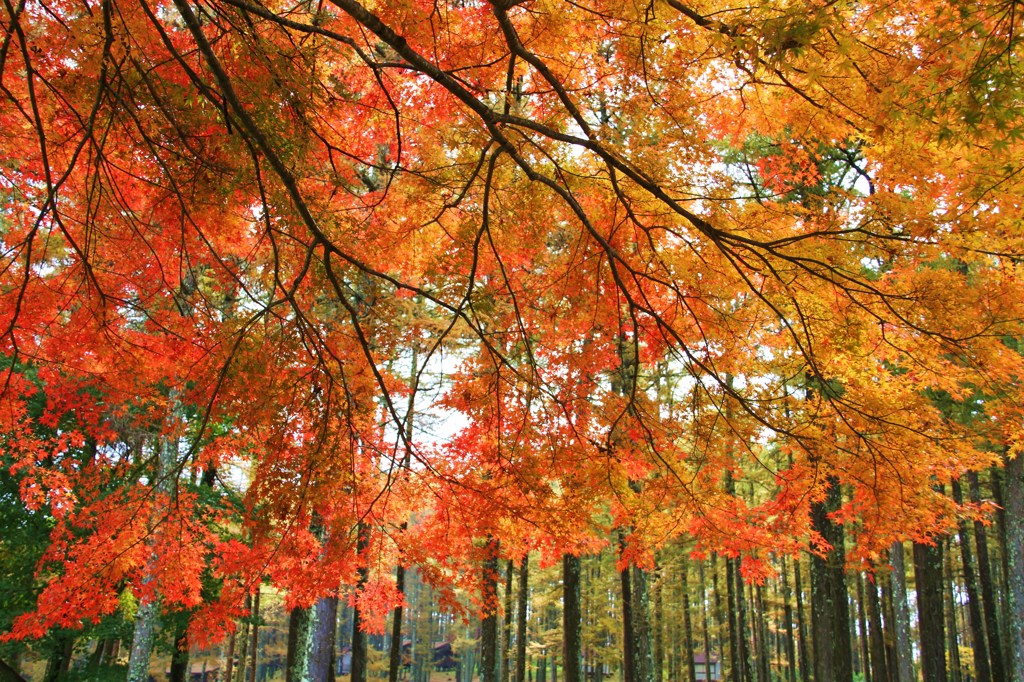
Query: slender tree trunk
684,582
876,640
628,650
1004,601
506,635
801,622
395,651
952,636
572,621
658,624
242,656
901,616
1014,552
489,622
761,628
928,576
254,636
988,599
59,662
862,623
787,611
325,633
522,601
229,664
359,644
735,649
705,635
979,649
179,656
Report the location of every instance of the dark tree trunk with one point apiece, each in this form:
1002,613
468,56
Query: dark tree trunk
628,652
735,658
325,632
59,663
658,625
988,598
242,655
179,656
254,636
640,627
862,623
1014,553
876,640
952,636
523,599
801,622
506,634
489,621
761,628
928,576
787,611
359,644
830,608
982,671
904,667
395,652
572,621
229,664
684,582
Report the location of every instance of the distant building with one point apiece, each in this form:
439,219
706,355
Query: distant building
706,669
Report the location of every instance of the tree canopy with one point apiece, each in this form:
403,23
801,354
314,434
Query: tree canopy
406,281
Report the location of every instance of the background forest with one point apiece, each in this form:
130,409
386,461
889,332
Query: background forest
556,339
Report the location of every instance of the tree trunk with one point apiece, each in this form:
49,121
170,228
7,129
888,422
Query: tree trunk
489,621
787,615
876,641
301,623
506,635
735,659
928,576
862,623
684,582
395,652
988,599
952,639
358,666
572,621
901,616
523,598
830,609
179,656
979,648
801,622
59,663
240,672
628,651
325,633
640,627
254,636
1014,552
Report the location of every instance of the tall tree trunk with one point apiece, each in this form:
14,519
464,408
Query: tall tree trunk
658,624
301,623
229,664
979,649
901,616
359,644
928,576
506,634
1014,552
640,627
705,635
684,582
522,601
876,641
254,636
489,621
787,614
830,609
325,633
179,656
242,656
988,598
862,623
801,622
59,662
735,660
572,620
952,636
628,651
761,628
395,650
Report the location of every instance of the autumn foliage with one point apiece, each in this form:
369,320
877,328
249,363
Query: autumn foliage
528,272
